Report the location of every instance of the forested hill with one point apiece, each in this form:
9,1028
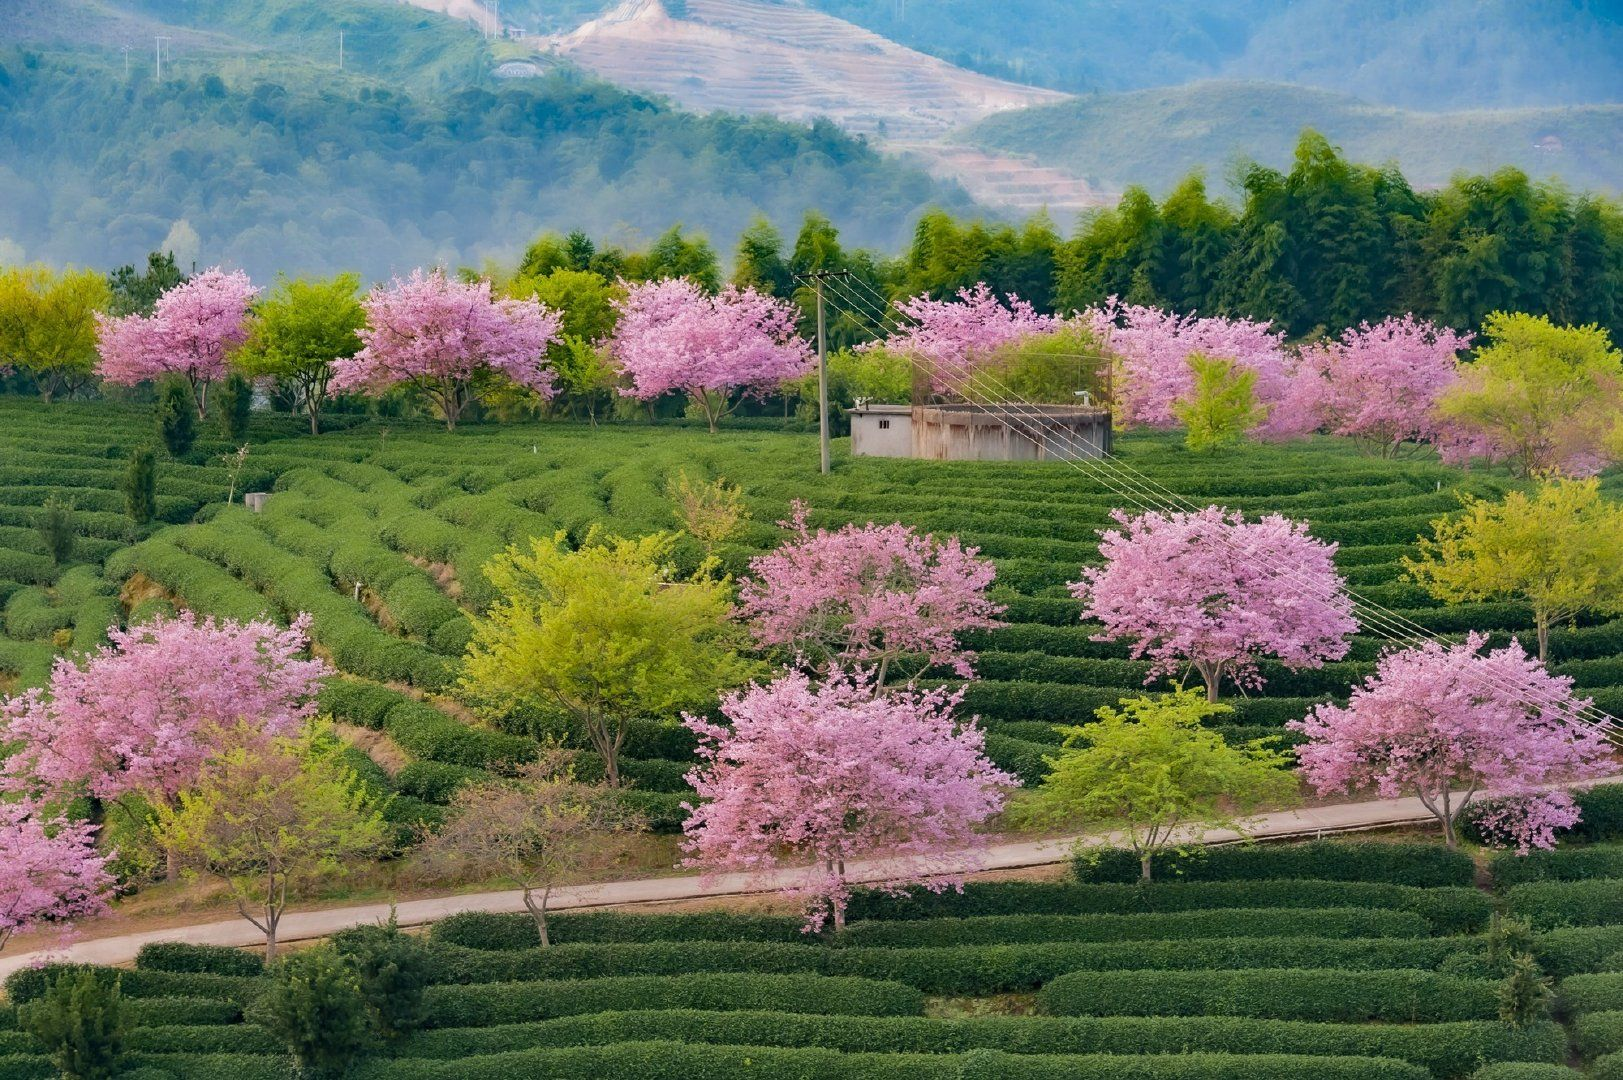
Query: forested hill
273,169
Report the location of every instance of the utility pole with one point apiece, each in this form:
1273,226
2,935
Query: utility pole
340,50
157,50
817,277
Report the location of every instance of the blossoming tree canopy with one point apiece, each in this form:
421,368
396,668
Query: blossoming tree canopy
447,337
1378,384
832,772
1153,348
1214,592
1449,723
52,873
191,332
139,714
957,337
673,336
869,595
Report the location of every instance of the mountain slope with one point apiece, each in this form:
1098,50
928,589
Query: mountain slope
1155,137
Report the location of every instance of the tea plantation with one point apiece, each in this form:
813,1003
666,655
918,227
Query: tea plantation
1354,961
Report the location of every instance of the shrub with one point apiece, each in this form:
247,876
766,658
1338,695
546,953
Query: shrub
205,1039
1609,1067
140,487
1548,904
80,1023
1576,949
1524,994
1561,864
1579,994
1598,1033
213,959
168,1011
177,417
1011,929
233,401
31,983
1602,810
495,1003
1330,860
58,529
481,930
1525,1070
1342,996
315,1008
393,968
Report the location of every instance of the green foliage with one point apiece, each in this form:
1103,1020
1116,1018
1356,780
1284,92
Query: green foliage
135,291
58,529
177,417
298,331
1524,995
79,1020
315,1006
1415,864
1222,407
182,956
393,969
233,402
140,486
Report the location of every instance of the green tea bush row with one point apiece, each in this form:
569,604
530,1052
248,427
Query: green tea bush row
1548,904
1579,994
1447,1050
184,956
30,983
1578,949
497,932
200,584
1193,925
499,1003
1327,995
203,1039
420,729
963,970
1597,1033
1418,864
1449,910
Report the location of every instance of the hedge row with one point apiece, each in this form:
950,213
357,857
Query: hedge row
1579,994
30,983
420,729
1578,949
184,956
1449,909
1417,864
1174,926
1564,863
1597,1033
973,970
1329,995
1547,904
502,1003
1446,1050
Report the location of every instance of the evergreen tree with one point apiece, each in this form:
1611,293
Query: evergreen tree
140,485
177,417
80,1019
760,260
233,402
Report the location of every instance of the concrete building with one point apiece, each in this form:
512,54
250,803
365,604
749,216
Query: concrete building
980,433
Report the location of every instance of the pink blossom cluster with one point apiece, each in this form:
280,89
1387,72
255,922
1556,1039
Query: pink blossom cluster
868,594
1449,723
1525,822
431,328
672,335
50,871
1153,349
957,337
139,713
1218,593
1377,383
834,772
192,331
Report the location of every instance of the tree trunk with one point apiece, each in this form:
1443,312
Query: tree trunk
538,912
315,417
1541,621
171,865
1213,674
1144,866
270,944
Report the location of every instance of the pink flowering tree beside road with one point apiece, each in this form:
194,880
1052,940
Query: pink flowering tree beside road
50,871
192,331
869,595
673,336
451,340
831,773
1216,593
1450,724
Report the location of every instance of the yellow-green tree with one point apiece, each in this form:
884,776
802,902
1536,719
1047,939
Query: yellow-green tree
1542,397
48,325
607,632
1156,773
271,818
1221,407
1559,549
299,331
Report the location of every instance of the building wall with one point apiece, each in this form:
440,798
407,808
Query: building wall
881,434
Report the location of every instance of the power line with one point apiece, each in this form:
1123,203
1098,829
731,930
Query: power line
1148,494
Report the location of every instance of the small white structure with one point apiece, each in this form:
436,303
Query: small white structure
981,433
255,500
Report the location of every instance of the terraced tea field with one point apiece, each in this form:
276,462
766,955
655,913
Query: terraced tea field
380,533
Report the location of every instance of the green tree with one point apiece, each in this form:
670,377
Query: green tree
271,819
1152,770
607,632
80,1019
176,417
140,486
1559,550
1546,398
58,529
760,261
134,292
1221,407
1524,994
675,255
233,404
316,1006
1195,237
48,326
299,331
393,968
579,357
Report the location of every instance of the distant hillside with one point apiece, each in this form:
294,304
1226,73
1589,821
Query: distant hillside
1424,54
275,159
1155,137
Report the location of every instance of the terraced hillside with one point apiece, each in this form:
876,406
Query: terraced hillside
380,533
1337,961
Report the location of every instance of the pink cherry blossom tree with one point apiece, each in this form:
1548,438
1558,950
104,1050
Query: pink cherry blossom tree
52,873
449,339
1450,723
1152,349
191,332
672,335
831,773
1377,384
869,595
1216,593
139,715
956,338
